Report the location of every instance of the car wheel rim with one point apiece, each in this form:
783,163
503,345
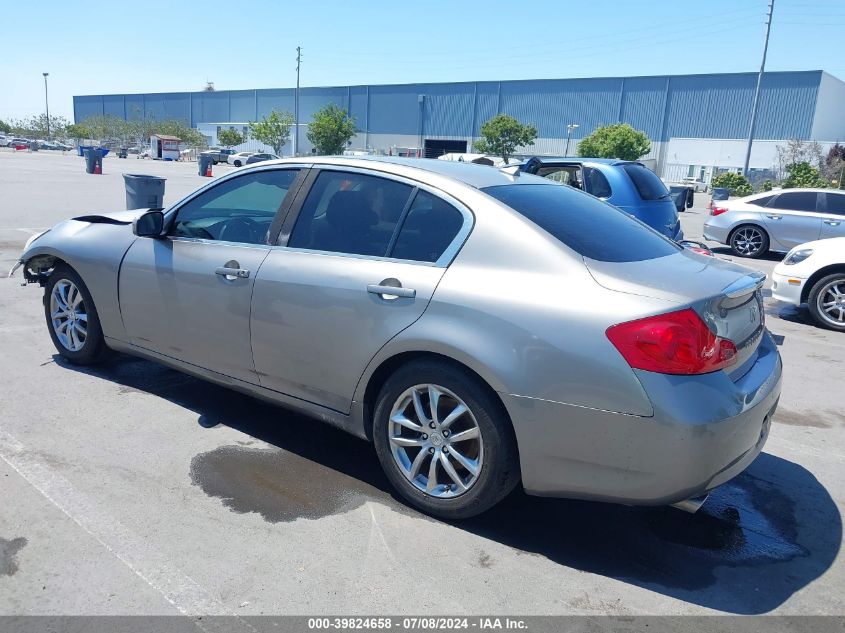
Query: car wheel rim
748,241
68,315
831,302
435,441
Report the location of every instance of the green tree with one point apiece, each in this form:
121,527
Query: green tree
273,130
803,175
502,134
5,128
735,183
106,127
331,129
77,130
619,140
36,126
230,137
191,137
767,185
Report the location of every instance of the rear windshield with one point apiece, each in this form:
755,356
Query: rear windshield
721,194
648,185
587,225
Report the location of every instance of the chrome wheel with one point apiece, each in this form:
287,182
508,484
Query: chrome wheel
748,241
831,302
435,441
68,315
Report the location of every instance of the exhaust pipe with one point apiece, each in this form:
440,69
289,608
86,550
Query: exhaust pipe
691,505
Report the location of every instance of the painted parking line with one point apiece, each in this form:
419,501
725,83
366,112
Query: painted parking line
30,231
148,563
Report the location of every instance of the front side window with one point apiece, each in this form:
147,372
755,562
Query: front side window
648,185
572,217
566,175
835,203
236,210
350,213
597,183
796,201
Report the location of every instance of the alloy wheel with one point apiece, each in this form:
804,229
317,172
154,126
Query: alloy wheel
68,315
831,302
748,241
435,441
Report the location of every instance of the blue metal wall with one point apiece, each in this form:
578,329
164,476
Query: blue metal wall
691,106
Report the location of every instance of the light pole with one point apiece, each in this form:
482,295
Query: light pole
756,103
569,129
47,104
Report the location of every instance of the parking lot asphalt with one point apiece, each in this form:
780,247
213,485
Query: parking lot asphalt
133,489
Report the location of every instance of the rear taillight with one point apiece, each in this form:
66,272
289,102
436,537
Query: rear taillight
718,210
673,343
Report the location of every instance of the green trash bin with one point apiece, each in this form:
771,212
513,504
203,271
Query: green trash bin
144,192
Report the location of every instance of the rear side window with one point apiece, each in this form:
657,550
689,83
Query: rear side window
428,229
796,201
761,202
585,224
836,203
648,185
597,183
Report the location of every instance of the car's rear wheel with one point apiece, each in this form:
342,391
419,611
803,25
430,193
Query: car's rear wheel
749,240
827,302
72,318
237,163
444,441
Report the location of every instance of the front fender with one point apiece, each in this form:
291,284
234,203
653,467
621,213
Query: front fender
94,247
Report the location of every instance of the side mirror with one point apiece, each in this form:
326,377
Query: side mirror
151,224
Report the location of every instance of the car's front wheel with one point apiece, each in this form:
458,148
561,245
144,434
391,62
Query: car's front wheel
72,318
237,163
749,240
827,302
444,441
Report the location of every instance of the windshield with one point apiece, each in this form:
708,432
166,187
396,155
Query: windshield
590,227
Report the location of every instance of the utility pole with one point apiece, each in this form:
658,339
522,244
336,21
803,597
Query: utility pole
47,104
296,104
756,104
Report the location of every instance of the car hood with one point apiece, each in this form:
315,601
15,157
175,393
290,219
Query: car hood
116,217
684,277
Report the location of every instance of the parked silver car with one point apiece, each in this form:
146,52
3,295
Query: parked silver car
473,323
776,220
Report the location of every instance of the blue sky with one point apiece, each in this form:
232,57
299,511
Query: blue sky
178,45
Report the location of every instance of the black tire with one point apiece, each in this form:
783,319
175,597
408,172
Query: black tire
735,241
94,349
237,163
499,472
814,299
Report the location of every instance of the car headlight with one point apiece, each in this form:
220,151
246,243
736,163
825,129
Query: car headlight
796,257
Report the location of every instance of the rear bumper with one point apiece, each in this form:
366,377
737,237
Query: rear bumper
716,233
706,430
785,290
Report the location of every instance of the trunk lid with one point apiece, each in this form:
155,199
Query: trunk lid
728,297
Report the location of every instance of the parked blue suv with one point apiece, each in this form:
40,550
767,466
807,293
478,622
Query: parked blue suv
629,185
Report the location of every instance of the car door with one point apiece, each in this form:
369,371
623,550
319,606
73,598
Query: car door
791,219
187,296
360,258
833,214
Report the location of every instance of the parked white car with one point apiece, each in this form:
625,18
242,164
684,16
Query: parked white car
814,273
239,159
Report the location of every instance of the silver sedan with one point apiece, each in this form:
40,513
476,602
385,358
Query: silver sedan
484,329
776,220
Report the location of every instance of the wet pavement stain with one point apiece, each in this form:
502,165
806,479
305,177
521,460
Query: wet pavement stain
278,485
8,555
802,418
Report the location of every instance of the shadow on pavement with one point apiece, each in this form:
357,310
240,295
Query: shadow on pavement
727,252
758,539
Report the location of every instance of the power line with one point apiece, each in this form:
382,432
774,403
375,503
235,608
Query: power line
756,104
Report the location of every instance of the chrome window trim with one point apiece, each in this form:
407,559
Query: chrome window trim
448,254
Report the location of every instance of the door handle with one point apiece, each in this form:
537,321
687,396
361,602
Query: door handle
232,273
395,291
832,222
774,217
